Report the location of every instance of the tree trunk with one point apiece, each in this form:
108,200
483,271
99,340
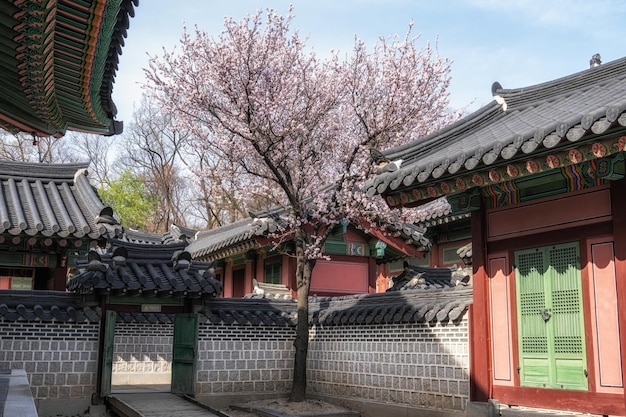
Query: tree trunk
303,278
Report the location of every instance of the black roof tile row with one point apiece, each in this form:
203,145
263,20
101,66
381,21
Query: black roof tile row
46,306
410,306
417,277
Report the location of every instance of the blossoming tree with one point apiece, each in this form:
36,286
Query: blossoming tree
302,128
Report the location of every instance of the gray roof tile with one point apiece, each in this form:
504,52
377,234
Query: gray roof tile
134,268
544,116
442,300
46,306
240,236
52,200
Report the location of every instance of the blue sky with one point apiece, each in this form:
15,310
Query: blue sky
515,42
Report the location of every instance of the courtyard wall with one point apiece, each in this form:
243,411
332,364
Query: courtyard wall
406,350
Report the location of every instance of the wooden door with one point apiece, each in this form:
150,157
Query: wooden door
107,353
184,353
550,318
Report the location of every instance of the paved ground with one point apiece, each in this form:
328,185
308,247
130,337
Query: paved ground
4,388
156,404
16,399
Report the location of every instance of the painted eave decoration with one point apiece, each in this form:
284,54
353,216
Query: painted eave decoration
561,124
58,62
51,202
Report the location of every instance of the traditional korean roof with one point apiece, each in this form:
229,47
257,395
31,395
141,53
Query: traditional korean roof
417,277
522,132
271,291
465,253
251,312
58,64
227,240
165,270
176,234
241,236
412,306
49,200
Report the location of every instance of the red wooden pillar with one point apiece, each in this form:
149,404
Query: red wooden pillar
228,277
480,378
371,275
618,209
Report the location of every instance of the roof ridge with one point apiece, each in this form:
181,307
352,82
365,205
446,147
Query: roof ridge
41,171
568,82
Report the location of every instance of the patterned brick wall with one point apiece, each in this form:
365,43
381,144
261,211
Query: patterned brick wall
407,364
235,359
142,353
60,359
416,364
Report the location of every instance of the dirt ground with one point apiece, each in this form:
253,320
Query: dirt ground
281,405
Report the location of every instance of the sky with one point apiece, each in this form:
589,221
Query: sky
515,42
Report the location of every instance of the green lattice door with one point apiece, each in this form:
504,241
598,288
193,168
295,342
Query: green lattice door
550,317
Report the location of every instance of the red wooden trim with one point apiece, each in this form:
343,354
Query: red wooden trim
514,319
551,238
587,312
398,243
59,279
565,400
594,302
480,363
556,213
501,319
618,205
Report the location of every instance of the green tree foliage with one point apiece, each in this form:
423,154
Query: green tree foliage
130,198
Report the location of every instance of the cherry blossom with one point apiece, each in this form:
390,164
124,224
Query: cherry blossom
302,127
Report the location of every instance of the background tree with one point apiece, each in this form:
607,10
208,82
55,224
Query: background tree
99,151
26,148
300,129
130,199
152,151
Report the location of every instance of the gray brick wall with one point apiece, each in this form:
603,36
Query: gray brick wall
234,359
60,359
415,365
142,353
408,364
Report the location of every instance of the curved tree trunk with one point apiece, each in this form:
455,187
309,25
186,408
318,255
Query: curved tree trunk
304,270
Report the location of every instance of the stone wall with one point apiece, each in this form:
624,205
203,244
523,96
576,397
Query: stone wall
413,364
404,351
244,359
60,359
142,353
